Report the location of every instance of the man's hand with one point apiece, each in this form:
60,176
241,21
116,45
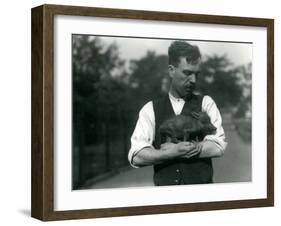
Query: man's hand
181,149
195,151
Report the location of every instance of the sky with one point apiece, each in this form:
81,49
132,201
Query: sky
135,48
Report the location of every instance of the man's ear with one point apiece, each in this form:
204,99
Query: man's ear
171,70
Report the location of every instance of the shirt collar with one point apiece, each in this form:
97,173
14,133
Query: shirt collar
175,98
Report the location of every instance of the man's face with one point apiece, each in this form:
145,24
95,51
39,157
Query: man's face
184,77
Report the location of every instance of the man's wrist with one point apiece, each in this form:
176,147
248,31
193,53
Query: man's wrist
167,151
209,149
199,146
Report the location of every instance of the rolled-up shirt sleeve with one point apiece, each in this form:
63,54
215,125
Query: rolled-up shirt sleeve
210,107
143,134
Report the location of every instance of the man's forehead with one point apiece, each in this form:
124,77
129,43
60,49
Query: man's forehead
184,63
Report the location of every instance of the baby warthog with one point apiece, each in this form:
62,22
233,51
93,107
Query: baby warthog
192,127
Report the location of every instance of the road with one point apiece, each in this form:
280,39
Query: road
234,166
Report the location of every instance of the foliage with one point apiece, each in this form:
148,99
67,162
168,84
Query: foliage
95,92
218,79
147,74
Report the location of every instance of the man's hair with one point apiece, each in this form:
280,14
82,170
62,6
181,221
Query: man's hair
183,49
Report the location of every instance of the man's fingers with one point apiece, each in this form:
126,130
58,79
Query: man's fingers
192,153
187,148
196,151
188,144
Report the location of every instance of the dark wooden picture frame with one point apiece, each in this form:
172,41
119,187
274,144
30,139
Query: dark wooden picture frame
42,203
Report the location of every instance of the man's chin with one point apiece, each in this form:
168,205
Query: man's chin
188,94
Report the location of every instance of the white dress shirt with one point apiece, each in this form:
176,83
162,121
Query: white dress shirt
144,132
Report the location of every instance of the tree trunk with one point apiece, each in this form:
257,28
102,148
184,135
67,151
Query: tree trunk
107,146
81,151
125,140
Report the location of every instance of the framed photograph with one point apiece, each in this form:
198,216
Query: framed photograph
142,112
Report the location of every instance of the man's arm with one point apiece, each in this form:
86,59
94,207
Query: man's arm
143,134
212,145
209,149
167,151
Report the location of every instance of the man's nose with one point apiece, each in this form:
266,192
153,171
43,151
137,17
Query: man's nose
192,78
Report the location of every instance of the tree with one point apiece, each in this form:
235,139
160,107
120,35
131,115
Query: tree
147,74
93,65
218,78
244,73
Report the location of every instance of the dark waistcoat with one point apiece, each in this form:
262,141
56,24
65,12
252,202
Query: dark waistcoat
179,171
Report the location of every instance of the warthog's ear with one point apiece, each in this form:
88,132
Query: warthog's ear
204,118
195,114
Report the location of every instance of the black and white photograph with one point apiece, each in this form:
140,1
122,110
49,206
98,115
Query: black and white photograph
145,112
152,112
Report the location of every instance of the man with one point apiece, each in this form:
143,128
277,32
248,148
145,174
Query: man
184,162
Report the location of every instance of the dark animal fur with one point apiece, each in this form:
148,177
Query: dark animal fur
192,127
